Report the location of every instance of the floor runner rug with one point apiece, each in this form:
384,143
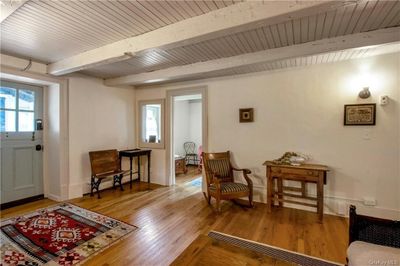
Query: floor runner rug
63,234
271,251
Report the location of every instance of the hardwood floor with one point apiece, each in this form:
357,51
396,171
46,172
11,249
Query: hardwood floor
192,173
170,218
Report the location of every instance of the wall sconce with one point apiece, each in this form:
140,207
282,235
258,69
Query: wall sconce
364,93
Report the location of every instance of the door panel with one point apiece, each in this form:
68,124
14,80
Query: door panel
21,163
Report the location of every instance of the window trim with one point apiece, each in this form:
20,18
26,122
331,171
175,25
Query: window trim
143,144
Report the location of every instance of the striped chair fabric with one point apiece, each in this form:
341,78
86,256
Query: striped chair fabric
220,167
229,187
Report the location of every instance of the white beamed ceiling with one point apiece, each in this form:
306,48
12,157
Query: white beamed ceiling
362,17
50,31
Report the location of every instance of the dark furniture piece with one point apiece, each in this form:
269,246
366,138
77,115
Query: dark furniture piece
105,164
136,153
306,173
373,230
220,182
190,153
180,165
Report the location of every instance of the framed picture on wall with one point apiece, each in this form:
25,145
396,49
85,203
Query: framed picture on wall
246,115
360,114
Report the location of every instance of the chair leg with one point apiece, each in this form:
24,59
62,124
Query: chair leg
120,182
218,206
95,185
208,198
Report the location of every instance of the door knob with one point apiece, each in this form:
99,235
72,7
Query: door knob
39,147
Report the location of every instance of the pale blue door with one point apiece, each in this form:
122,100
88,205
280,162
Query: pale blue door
21,111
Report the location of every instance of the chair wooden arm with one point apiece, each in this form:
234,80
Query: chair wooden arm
246,172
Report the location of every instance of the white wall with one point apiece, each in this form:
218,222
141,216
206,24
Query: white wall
187,124
195,122
100,117
302,110
181,126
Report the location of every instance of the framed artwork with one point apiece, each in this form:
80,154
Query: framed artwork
359,114
246,115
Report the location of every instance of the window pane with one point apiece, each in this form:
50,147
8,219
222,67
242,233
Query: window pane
7,97
152,123
7,121
26,122
26,100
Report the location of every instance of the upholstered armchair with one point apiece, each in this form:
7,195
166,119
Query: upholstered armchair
220,182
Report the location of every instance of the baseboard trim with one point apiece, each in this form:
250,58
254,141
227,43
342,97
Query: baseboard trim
15,203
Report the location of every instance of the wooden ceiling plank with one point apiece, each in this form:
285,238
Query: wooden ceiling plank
395,14
289,32
275,36
345,21
98,15
389,5
312,28
377,14
208,26
330,16
262,38
336,22
60,18
349,42
165,10
304,29
127,18
297,31
81,16
356,16
320,26
179,9
152,17
32,28
365,15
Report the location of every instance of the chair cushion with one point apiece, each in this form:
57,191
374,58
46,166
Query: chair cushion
363,253
230,187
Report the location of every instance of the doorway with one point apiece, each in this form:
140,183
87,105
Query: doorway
186,134
21,116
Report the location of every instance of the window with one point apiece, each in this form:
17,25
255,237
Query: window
17,109
151,115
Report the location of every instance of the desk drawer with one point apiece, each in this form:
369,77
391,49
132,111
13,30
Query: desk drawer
293,171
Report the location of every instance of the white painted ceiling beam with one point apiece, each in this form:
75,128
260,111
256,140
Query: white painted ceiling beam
312,48
235,18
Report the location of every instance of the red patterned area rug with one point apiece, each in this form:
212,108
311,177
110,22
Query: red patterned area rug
64,234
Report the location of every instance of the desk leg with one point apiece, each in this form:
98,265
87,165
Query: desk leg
138,167
148,168
269,190
130,174
280,191
320,197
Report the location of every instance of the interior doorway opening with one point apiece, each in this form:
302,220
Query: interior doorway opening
187,138
196,121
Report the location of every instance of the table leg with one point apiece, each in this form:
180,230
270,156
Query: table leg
280,190
148,168
320,197
269,190
138,165
130,175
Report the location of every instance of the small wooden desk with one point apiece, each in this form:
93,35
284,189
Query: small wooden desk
136,153
306,173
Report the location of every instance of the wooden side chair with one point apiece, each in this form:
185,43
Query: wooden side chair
105,164
220,182
190,153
